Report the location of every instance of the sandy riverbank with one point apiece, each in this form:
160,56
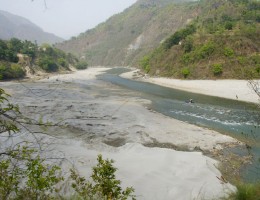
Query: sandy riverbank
102,118
230,89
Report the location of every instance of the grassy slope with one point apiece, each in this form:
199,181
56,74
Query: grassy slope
144,25
226,44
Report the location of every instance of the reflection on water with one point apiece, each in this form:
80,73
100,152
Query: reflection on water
237,119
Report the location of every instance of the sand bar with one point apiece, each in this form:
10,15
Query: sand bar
230,89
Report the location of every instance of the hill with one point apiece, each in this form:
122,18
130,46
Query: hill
18,58
129,35
222,42
13,26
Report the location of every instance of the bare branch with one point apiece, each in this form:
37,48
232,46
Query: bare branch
255,86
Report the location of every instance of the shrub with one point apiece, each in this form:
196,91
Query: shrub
185,72
145,63
205,50
246,192
217,69
228,52
82,65
242,60
104,185
48,64
256,59
11,71
229,25
17,71
178,36
188,45
186,58
62,62
24,176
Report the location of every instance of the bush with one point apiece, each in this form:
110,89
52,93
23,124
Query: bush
178,36
17,71
228,52
229,25
145,63
24,176
8,71
82,65
104,185
63,62
186,58
217,69
188,45
48,64
185,72
205,51
246,192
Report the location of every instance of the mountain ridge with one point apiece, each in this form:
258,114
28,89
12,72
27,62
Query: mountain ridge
14,26
126,36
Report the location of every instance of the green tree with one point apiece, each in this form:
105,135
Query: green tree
104,185
3,47
11,71
48,64
205,50
29,49
63,62
24,176
188,45
145,63
178,36
15,45
82,65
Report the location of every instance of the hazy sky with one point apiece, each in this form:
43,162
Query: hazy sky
65,18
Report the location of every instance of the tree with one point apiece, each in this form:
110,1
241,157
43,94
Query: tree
81,65
104,185
29,49
48,64
179,35
3,48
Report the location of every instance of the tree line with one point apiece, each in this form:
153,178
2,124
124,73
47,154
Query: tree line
16,54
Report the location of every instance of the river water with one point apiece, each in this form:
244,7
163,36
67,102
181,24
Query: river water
240,120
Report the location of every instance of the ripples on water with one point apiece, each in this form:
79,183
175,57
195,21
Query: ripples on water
237,119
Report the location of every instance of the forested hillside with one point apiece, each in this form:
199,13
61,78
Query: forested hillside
20,57
126,37
222,42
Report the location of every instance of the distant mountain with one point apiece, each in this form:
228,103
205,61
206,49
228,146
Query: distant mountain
13,26
126,37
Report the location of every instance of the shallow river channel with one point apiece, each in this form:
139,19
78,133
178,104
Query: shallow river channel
238,119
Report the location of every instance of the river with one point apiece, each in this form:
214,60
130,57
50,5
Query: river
96,112
234,118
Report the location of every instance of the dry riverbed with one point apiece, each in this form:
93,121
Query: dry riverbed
97,117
